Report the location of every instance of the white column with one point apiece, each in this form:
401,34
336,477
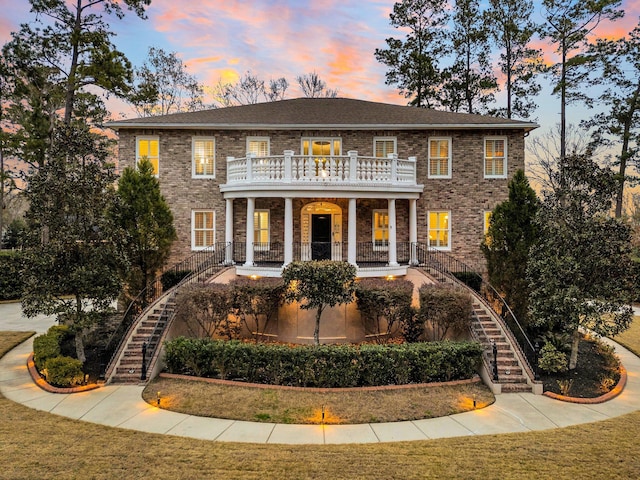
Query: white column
251,206
288,231
413,230
393,255
352,237
228,232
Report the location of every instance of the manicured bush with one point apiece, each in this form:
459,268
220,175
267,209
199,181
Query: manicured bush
552,360
324,365
45,346
445,309
11,285
63,371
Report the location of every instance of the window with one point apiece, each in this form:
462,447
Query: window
261,236
148,147
439,230
495,157
202,229
380,229
258,146
321,146
439,158
383,146
487,221
204,157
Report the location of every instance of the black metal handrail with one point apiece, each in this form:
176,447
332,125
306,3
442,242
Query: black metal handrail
448,266
191,266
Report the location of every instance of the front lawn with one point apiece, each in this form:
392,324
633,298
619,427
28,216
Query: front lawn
630,339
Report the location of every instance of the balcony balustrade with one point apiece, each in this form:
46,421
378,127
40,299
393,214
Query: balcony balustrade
347,170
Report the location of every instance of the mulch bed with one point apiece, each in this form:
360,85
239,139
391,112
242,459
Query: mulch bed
593,366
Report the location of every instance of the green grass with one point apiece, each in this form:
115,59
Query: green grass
36,445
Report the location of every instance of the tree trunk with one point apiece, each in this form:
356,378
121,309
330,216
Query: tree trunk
316,331
573,360
80,346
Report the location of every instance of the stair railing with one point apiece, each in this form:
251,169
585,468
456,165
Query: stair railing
451,268
191,267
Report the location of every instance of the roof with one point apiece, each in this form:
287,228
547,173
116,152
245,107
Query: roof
322,113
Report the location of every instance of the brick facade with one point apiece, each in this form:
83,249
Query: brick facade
466,195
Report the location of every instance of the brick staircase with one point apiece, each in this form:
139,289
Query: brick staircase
149,329
489,332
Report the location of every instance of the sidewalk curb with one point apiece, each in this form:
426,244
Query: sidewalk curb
41,382
617,390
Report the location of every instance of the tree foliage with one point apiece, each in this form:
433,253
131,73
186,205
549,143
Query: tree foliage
313,86
579,270
512,232
512,30
71,262
145,227
444,309
413,63
248,90
162,86
319,284
256,302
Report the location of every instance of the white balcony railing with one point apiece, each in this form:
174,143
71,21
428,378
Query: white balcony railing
351,169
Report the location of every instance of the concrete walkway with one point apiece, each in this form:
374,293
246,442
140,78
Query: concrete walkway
122,406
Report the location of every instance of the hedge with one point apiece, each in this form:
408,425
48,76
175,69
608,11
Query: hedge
11,285
329,366
64,371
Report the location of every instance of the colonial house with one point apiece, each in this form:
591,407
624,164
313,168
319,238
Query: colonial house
328,178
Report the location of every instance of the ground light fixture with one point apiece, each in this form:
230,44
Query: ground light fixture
323,413
158,398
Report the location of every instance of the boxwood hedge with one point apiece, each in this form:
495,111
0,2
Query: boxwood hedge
324,365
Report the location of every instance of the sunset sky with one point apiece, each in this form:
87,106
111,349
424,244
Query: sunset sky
223,39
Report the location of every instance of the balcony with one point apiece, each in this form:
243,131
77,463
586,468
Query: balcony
351,172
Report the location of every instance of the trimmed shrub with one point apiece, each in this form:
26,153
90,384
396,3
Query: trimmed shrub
445,309
325,365
63,371
552,360
11,284
45,346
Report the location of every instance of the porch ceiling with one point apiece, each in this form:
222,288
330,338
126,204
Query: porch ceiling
322,189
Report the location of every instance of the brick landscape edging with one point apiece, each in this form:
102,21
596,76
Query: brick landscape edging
217,381
602,398
41,382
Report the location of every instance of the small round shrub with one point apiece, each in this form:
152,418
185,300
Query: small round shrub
552,360
64,371
45,346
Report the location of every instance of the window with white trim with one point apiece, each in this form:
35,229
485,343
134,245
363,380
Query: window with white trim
149,148
261,234
203,231
203,152
383,146
258,146
495,157
439,227
380,229
439,158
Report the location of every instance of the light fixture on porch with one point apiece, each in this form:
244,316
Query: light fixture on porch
321,160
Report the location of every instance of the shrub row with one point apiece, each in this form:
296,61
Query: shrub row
58,370
326,365
11,285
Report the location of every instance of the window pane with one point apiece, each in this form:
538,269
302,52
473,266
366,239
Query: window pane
259,147
384,148
204,157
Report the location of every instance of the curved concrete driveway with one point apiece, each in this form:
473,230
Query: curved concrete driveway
122,406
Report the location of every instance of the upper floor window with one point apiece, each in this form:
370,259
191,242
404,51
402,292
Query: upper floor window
383,146
261,234
149,148
258,146
380,229
440,230
439,158
204,157
495,157
321,147
203,231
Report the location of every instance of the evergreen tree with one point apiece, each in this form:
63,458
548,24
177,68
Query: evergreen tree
414,62
580,269
512,232
145,227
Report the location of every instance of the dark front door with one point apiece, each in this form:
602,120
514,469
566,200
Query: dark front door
321,237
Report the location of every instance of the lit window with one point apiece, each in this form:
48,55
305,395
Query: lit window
204,157
148,147
439,230
439,158
203,229
258,146
321,146
380,229
261,230
495,157
383,146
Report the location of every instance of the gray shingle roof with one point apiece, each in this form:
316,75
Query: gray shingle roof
321,113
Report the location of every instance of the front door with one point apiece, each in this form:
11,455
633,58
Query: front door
320,237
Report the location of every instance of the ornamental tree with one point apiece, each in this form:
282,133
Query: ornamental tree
319,284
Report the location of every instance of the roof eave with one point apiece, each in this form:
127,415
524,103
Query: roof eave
378,126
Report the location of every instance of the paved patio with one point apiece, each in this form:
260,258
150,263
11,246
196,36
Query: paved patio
122,406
